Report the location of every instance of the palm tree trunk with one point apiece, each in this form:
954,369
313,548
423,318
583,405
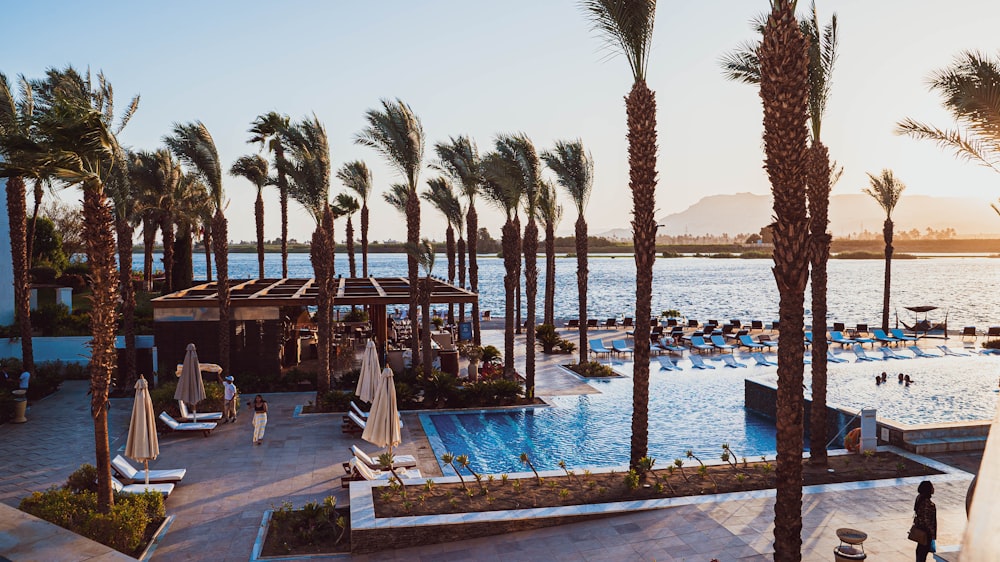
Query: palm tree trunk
517,286
887,235
550,274
461,275
364,239
167,230
425,336
207,243
350,247
258,213
30,241
220,242
530,293
320,256
413,238
16,194
450,251
819,202
784,91
148,240
508,239
100,241
472,227
641,109
581,283
183,256
279,158
124,232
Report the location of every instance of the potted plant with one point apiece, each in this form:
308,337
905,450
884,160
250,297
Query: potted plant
475,355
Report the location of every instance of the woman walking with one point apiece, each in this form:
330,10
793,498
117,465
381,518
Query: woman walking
925,517
259,418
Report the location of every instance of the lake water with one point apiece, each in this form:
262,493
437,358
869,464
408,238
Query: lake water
704,288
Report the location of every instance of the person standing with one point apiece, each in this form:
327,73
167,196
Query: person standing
259,418
229,409
25,377
925,517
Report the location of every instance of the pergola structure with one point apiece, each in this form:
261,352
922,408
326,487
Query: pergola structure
261,300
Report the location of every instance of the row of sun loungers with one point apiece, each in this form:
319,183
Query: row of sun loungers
698,362
161,481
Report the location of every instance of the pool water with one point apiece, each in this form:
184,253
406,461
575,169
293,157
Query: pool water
690,409
700,410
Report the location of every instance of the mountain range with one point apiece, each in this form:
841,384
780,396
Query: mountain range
745,213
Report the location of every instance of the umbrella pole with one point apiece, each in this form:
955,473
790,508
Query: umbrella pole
145,463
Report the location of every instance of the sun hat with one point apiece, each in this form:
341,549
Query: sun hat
229,378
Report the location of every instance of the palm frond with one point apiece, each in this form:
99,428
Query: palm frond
307,165
626,25
423,253
886,189
357,177
253,168
194,146
397,197
267,129
742,64
501,183
441,195
396,133
459,159
965,146
549,209
574,170
346,203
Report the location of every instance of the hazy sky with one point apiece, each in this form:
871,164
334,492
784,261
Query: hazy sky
479,68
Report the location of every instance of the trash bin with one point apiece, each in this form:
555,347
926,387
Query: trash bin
449,361
20,406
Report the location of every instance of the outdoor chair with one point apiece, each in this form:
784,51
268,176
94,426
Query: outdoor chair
721,344
592,322
698,363
736,323
611,324
859,352
749,343
917,352
761,360
671,322
201,416
164,489
692,323
766,341
900,335
830,357
993,333
357,471
756,325
730,361
364,415
597,347
398,461
837,336
619,346
670,347
881,336
174,425
839,327
947,351
969,332
861,329
667,364
698,343
353,424
775,327
574,323
890,354
128,473
627,323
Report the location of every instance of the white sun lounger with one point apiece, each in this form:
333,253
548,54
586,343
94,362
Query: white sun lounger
398,461
667,364
761,360
174,425
130,474
364,415
861,355
948,351
698,363
917,352
731,362
164,489
365,473
201,416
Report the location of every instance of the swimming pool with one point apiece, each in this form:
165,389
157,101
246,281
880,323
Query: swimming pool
700,410
690,409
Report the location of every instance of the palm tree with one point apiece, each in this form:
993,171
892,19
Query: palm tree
307,167
254,169
521,152
15,122
396,132
267,130
193,145
784,91
743,65
192,212
423,253
886,190
459,158
73,143
550,212
358,178
574,171
443,198
396,196
347,206
628,25
501,185
156,175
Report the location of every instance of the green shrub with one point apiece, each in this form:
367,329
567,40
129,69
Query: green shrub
60,506
348,380
438,388
163,397
566,346
77,268
547,338
592,369
755,255
45,380
43,275
492,355
334,401
122,529
77,282
83,479
75,372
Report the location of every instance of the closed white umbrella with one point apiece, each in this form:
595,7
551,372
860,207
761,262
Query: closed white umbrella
142,445
370,373
190,387
382,428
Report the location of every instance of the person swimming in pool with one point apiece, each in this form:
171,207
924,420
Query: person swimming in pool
901,378
907,380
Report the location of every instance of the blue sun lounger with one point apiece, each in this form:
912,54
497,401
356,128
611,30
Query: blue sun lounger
619,346
749,343
721,344
698,363
890,354
698,343
861,355
838,337
947,351
761,360
881,336
597,347
669,347
917,352
729,361
667,364
900,335
831,358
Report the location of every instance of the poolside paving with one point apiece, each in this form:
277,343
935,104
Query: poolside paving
230,483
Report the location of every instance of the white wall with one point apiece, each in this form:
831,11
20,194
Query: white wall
6,264
71,349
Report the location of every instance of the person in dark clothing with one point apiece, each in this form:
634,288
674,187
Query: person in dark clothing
925,517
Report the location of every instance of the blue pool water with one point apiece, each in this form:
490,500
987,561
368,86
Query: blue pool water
700,410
